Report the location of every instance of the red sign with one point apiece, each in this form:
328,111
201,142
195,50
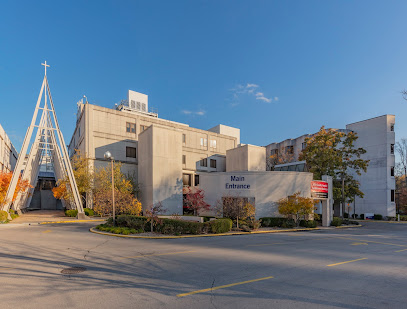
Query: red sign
319,189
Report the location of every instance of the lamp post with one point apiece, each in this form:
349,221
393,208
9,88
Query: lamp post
108,156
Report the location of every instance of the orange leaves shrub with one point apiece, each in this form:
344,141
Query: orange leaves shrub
5,178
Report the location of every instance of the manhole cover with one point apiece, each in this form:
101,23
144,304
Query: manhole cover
73,270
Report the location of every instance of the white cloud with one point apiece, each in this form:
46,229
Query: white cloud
250,90
199,113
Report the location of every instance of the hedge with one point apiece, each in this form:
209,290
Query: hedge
277,222
308,223
170,226
336,221
71,212
89,212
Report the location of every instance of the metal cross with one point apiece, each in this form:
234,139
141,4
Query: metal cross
45,66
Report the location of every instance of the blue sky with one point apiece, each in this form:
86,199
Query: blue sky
275,69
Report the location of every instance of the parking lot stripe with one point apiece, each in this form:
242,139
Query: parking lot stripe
223,286
145,255
346,262
401,250
374,242
274,243
47,231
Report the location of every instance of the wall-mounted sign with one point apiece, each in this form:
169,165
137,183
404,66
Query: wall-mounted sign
237,182
319,189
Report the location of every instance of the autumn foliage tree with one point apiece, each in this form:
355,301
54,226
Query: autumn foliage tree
125,202
296,207
21,188
236,208
194,199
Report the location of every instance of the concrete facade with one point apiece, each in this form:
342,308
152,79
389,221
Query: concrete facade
263,189
8,154
246,158
377,137
160,168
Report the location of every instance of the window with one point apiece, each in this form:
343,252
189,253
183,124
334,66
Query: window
213,163
392,195
212,143
203,162
132,104
142,128
391,148
184,138
130,152
303,145
143,107
392,127
184,159
130,127
196,180
392,171
205,142
186,179
138,105
289,150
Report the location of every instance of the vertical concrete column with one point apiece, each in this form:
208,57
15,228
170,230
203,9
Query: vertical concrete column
327,210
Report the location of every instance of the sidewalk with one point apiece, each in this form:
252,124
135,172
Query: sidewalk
47,216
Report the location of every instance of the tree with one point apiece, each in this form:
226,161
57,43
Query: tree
280,156
152,214
404,93
84,177
236,208
401,148
194,199
296,206
125,202
333,153
21,188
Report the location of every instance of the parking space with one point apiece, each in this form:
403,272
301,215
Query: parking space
352,268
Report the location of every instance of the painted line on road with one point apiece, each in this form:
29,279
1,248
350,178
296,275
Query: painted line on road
47,231
223,286
72,221
374,242
260,245
330,265
401,250
5,268
359,243
159,254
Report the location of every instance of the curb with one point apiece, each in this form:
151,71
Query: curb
348,226
382,221
93,230
69,221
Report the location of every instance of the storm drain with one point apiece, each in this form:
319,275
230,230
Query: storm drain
73,270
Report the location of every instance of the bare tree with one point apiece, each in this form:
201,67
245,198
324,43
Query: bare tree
404,93
401,148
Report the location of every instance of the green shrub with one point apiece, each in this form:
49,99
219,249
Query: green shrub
3,216
377,217
173,226
71,212
89,212
336,221
273,221
223,225
133,222
362,216
317,217
290,223
207,218
308,223
353,222
345,215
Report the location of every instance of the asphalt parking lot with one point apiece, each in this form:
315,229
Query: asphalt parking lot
340,268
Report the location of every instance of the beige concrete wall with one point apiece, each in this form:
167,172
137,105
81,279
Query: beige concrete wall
100,129
246,158
8,154
263,188
160,168
226,130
